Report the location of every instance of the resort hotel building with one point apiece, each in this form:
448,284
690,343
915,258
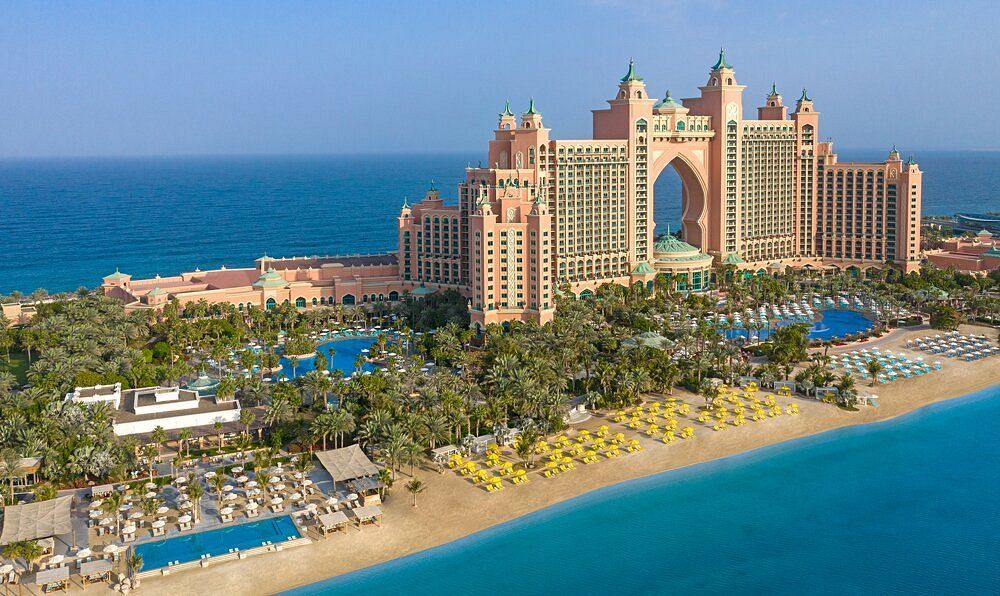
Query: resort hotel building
760,193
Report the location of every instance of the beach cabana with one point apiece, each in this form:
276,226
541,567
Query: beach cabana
441,454
368,515
96,571
37,521
369,489
101,491
346,464
333,522
50,580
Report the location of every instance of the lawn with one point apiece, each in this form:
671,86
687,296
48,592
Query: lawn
18,365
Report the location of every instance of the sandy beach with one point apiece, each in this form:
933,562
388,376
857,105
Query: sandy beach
452,507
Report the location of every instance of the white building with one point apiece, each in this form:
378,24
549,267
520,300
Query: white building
140,411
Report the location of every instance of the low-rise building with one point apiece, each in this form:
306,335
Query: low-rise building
979,255
140,411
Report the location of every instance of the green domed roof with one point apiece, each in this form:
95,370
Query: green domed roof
117,275
668,243
271,279
643,268
732,259
992,252
668,102
157,291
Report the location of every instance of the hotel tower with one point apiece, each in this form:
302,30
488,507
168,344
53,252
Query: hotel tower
759,194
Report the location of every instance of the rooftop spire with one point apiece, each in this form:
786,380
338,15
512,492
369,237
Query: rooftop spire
774,90
721,63
910,161
631,75
531,108
805,96
406,202
433,187
506,109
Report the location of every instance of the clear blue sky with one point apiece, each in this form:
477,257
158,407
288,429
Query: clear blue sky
164,78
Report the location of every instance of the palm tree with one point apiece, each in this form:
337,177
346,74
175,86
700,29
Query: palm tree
158,436
323,426
415,486
112,505
196,492
247,418
10,469
182,442
29,550
874,368
218,482
134,564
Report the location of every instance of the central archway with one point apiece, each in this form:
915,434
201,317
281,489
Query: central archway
690,167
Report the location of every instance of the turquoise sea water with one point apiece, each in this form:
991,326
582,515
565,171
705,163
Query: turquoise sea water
907,506
68,222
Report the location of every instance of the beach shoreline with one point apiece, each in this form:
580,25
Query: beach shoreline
453,508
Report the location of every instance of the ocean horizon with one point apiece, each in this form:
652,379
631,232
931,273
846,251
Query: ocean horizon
898,506
68,222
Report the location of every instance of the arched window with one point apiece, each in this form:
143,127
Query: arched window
300,302
393,296
322,299
364,298
680,125
381,297
239,306
729,81
315,301
372,298
270,304
348,299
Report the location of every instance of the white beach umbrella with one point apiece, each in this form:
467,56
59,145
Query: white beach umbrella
184,519
96,504
159,524
238,470
150,495
252,505
274,480
209,475
242,479
277,501
251,484
6,568
83,553
227,488
162,510
180,480
136,515
226,511
56,559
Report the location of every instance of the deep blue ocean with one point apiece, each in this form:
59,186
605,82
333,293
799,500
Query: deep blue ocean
68,222
907,506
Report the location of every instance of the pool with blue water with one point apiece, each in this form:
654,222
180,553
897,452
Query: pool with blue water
832,324
191,547
345,352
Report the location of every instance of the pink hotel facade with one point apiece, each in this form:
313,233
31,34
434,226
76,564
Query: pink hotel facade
758,194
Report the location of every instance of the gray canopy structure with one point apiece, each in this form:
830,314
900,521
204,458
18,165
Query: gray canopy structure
347,463
33,521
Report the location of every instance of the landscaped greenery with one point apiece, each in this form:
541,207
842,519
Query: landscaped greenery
520,375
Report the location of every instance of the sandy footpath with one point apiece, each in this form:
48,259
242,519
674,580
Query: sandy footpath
452,507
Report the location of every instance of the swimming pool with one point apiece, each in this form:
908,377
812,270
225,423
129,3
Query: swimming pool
833,323
345,352
191,547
